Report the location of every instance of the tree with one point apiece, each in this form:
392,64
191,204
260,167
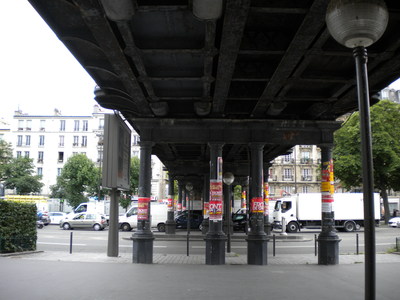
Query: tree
385,146
18,175
78,179
5,157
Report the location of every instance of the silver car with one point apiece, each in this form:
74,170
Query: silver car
84,220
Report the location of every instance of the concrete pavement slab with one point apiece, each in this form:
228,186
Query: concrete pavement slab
22,278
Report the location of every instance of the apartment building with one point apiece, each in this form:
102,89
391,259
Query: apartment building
51,139
296,172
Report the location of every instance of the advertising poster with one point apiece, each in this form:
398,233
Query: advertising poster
216,204
257,205
143,208
266,199
170,204
327,187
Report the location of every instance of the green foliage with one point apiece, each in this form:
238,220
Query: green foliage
17,226
18,174
79,178
385,146
134,175
5,157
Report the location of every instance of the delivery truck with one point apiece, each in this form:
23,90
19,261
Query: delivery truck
304,211
128,220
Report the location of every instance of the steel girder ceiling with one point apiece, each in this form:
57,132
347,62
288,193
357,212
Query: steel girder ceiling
270,63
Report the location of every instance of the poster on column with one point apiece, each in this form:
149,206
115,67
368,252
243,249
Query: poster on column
216,204
327,187
143,208
170,204
257,205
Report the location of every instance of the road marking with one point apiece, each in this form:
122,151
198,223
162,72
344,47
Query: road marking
61,244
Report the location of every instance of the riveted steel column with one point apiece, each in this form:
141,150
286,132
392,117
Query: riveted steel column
170,225
328,241
257,240
215,237
143,238
206,197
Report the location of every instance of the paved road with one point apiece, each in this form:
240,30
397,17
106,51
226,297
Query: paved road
51,238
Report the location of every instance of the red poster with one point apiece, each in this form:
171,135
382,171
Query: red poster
143,209
216,204
170,204
257,205
206,209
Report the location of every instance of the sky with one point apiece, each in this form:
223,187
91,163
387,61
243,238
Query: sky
37,72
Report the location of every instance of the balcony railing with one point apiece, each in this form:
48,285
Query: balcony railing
306,178
287,178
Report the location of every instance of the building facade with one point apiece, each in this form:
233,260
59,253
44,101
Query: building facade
296,172
50,140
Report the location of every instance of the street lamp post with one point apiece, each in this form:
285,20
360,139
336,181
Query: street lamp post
228,180
359,24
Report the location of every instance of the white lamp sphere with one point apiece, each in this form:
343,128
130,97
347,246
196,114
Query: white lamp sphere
355,23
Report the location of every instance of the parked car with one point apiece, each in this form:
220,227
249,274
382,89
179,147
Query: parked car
196,219
84,220
394,222
239,221
56,217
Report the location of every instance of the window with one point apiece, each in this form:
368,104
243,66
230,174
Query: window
306,174
41,140
19,140
27,154
100,156
27,140
305,189
60,156
84,141
287,158
62,125
28,125
76,140
42,125
74,153
40,171
76,125
287,174
61,141
101,124
59,171
135,153
19,154
40,156
85,125
136,140
20,124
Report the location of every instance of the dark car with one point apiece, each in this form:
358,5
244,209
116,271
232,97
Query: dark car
196,219
239,221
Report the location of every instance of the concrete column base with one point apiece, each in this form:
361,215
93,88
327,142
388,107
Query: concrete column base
257,249
215,248
142,248
328,249
170,227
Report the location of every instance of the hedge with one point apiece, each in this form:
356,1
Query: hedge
17,226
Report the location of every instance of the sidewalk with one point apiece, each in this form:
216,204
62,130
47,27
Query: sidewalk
81,276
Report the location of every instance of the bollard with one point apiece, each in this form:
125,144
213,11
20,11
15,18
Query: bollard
273,245
315,245
70,243
357,247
